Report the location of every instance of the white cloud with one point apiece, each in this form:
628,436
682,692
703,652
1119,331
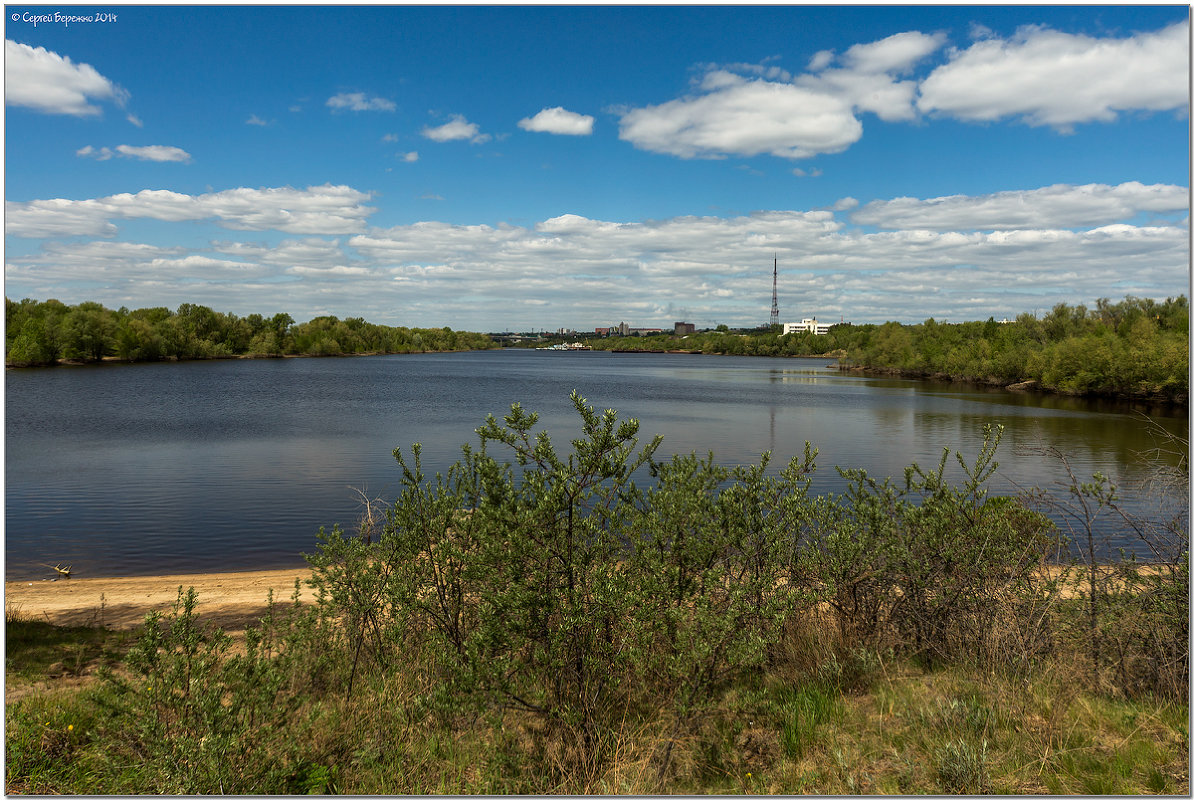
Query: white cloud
1047,77
256,120
737,116
317,209
102,154
410,157
781,115
558,120
878,93
153,152
456,129
821,60
1057,206
198,266
45,81
579,271
359,101
312,254
895,54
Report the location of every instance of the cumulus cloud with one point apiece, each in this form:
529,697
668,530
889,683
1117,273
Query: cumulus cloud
820,60
312,253
560,121
739,116
895,54
583,271
1057,206
721,266
865,77
256,120
1047,77
359,101
410,157
201,265
749,110
317,209
45,81
456,129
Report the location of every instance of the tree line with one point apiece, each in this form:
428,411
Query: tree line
1134,348
42,333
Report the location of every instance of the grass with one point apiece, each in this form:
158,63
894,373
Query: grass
897,729
38,650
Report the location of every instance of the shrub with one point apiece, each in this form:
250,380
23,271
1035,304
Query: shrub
929,567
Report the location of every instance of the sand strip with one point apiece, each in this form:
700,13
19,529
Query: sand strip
230,600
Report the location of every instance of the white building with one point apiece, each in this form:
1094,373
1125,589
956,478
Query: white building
819,328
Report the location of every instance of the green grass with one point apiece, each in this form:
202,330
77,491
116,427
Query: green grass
36,650
953,730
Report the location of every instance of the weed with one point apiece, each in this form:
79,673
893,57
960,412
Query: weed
962,768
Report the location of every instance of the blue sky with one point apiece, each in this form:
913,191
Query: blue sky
526,167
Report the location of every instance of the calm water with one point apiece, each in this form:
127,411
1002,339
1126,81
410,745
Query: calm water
232,465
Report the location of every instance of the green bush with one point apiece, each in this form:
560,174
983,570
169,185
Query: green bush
929,567
198,720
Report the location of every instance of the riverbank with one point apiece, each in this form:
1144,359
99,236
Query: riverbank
231,600
1018,386
75,362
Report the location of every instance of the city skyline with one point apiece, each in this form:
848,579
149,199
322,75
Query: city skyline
491,168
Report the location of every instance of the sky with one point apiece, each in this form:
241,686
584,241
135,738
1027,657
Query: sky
518,168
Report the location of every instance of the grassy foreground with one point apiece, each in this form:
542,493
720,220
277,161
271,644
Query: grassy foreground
539,625
810,725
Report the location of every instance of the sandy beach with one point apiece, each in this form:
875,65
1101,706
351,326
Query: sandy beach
230,600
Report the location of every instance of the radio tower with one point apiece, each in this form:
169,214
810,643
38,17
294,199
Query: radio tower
774,294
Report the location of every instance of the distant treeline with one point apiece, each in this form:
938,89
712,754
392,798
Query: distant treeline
1134,348
41,333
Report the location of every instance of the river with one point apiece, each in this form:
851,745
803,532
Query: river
234,465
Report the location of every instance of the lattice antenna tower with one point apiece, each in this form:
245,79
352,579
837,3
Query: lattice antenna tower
774,292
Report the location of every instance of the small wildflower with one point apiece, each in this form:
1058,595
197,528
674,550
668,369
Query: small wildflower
70,728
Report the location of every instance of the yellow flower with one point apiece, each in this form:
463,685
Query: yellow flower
70,728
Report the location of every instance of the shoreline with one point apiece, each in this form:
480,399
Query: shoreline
1027,386
230,600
